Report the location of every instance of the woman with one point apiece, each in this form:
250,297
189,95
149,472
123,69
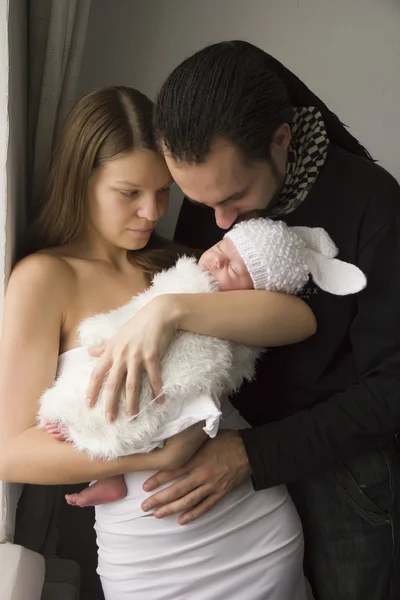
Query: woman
94,248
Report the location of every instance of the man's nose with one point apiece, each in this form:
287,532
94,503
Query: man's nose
225,217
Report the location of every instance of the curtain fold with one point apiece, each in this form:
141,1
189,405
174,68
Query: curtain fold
46,43
57,32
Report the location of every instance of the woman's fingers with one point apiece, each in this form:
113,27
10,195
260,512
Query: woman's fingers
115,370
133,382
153,368
127,359
97,377
97,351
114,386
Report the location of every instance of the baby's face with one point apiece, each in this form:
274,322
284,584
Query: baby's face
226,266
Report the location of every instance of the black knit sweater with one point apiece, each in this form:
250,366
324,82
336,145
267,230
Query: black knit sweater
337,394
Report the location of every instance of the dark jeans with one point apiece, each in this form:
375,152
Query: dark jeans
351,520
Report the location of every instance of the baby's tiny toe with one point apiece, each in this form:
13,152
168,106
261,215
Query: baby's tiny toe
51,425
71,499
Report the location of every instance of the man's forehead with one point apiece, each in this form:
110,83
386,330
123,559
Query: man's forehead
210,185
224,158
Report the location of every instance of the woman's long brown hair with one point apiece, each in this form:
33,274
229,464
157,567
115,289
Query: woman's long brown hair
105,124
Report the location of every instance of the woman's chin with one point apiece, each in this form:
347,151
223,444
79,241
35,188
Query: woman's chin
137,241
137,246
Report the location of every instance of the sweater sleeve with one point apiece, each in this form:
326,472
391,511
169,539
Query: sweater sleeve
361,417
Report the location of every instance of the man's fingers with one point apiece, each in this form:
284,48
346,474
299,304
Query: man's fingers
133,380
199,510
163,477
188,502
170,494
97,377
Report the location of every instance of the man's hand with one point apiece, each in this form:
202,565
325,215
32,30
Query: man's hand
219,466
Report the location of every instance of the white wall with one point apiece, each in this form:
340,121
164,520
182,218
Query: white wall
347,51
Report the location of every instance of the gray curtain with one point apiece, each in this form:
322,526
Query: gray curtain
48,36
57,31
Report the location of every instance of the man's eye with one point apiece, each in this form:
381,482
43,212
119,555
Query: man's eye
130,193
198,204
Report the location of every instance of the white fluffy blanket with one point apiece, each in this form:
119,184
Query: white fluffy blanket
196,370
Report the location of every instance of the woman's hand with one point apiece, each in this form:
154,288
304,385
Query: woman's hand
179,448
138,346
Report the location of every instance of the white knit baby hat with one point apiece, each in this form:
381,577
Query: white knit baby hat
281,258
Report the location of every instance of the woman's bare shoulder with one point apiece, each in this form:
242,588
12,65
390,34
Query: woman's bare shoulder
42,273
44,267
39,294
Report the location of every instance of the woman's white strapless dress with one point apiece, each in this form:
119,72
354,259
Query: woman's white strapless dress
249,547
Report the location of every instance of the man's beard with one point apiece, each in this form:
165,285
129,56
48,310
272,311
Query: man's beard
279,180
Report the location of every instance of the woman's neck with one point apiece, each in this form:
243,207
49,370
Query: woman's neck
97,251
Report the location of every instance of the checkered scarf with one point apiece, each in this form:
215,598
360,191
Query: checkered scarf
306,156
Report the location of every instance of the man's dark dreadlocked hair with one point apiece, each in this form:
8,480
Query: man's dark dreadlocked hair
239,92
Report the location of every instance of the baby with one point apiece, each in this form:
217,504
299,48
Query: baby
197,370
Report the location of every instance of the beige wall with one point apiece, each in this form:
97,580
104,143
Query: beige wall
347,51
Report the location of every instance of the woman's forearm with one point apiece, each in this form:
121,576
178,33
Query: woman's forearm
34,457
249,317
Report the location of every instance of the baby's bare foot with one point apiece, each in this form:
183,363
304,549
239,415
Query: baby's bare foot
56,430
101,492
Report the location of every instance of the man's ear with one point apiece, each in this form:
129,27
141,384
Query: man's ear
282,137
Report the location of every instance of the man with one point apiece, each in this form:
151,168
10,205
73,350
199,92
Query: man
243,136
